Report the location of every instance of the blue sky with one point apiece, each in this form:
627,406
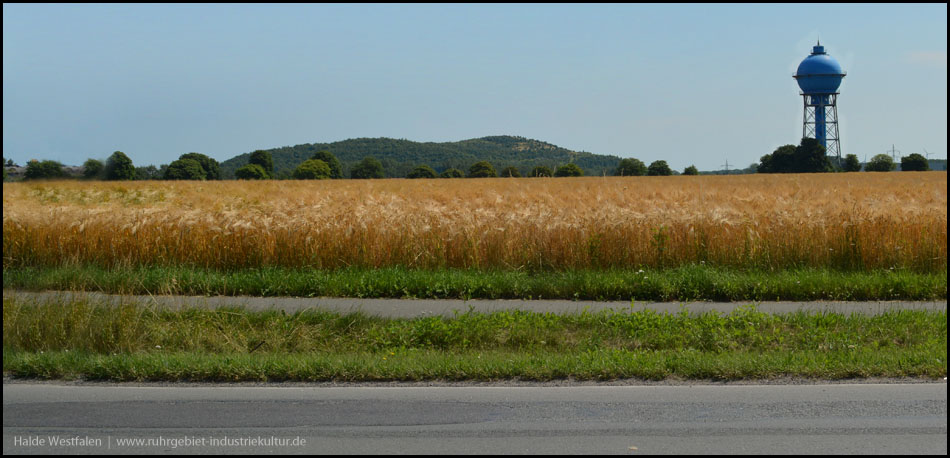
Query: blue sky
690,84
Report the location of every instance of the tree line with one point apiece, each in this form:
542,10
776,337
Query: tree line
118,166
325,165
321,165
810,157
807,157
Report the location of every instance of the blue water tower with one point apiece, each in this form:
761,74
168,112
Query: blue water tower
819,77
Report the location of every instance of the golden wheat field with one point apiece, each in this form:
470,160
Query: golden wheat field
855,221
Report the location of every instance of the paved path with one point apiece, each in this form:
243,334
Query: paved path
405,308
696,419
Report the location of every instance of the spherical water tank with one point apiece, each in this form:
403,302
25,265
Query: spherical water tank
819,73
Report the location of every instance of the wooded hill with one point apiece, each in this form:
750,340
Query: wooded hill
399,157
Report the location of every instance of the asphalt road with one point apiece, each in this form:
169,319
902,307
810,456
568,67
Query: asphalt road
407,308
61,418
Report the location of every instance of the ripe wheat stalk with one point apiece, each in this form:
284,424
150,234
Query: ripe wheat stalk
856,221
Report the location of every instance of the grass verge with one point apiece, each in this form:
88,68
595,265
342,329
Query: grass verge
85,340
604,365
688,283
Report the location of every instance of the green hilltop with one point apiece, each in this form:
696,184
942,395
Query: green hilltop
399,157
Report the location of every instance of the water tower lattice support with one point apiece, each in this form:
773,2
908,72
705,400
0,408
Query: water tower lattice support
821,122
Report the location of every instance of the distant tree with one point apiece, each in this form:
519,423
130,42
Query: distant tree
510,172
264,160
422,171
630,167
210,165
119,167
92,169
43,170
150,172
780,161
369,167
569,170
452,173
808,157
251,172
541,171
880,163
914,163
811,157
691,170
312,169
482,169
185,169
10,163
659,168
851,163
284,175
336,169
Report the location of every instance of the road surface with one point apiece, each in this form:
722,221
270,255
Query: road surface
58,418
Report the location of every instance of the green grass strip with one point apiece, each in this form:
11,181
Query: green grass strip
84,339
688,283
420,365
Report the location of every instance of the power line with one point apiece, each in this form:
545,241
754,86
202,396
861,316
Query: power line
893,151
